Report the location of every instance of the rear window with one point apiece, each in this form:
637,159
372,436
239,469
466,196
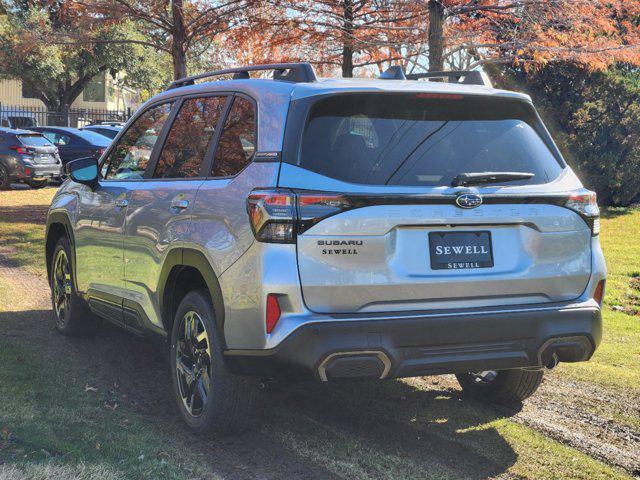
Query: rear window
417,140
34,140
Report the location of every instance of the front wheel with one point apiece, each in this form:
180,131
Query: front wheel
509,387
210,398
5,182
72,316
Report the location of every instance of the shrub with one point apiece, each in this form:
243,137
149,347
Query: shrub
596,122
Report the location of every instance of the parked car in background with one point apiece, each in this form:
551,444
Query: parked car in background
27,157
17,119
74,143
109,131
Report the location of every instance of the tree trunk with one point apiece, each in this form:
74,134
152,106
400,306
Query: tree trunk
436,36
179,40
347,38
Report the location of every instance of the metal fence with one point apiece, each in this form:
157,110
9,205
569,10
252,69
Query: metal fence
22,117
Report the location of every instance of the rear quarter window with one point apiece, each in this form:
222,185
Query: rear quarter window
413,139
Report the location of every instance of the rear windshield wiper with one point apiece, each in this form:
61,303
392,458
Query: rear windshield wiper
488,177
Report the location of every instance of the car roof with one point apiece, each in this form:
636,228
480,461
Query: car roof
18,131
338,85
62,129
104,127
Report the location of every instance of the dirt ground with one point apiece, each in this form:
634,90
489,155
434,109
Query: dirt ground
115,360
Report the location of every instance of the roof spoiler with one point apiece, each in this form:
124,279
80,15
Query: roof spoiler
285,72
467,77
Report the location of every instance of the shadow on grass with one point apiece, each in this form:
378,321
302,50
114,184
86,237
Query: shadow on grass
359,429
33,214
615,212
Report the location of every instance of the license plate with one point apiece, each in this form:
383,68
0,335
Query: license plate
460,250
43,159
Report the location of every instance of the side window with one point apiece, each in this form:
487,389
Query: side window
238,140
130,157
189,138
59,139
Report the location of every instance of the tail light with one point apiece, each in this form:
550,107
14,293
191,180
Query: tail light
598,295
273,312
584,203
278,215
22,150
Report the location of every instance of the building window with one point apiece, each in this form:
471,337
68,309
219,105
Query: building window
28,91
95,89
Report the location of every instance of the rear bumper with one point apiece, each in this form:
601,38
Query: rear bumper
37,171
430,344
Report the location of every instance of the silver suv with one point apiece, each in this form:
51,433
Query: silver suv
332,228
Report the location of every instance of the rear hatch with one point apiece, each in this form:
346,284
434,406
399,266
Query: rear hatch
431,201
39,148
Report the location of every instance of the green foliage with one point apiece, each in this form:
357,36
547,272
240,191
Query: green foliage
50,56
598,115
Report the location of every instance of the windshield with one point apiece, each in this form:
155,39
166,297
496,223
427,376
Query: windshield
93,138
34,140
414,139
107,132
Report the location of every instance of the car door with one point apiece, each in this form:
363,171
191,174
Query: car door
220,214
100,222
159,214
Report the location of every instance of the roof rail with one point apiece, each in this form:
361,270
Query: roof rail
469,77
287,72
394,72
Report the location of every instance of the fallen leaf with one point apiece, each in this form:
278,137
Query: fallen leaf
88,388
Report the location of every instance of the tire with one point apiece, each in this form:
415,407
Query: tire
210,398
70,313
5,182
37,183
507,387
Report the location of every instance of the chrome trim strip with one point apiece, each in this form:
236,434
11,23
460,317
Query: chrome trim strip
449,313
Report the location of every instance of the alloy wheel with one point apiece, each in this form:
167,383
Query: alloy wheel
61,287
193,363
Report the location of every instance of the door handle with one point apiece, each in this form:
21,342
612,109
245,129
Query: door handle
179,204
121,202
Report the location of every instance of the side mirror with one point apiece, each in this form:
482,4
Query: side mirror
84,170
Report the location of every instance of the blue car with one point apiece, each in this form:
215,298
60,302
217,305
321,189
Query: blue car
73,143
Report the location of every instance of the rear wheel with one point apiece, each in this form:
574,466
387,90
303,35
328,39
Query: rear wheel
4,178
507,387
37,183
73,318
210,398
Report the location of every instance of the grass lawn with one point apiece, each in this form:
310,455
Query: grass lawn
616,364
101,407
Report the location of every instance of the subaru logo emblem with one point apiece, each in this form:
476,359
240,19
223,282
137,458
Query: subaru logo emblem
468,200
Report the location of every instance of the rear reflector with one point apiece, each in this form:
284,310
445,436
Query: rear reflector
273,312
599,293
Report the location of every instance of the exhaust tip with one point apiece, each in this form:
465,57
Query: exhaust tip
565,349
354,364
552,362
